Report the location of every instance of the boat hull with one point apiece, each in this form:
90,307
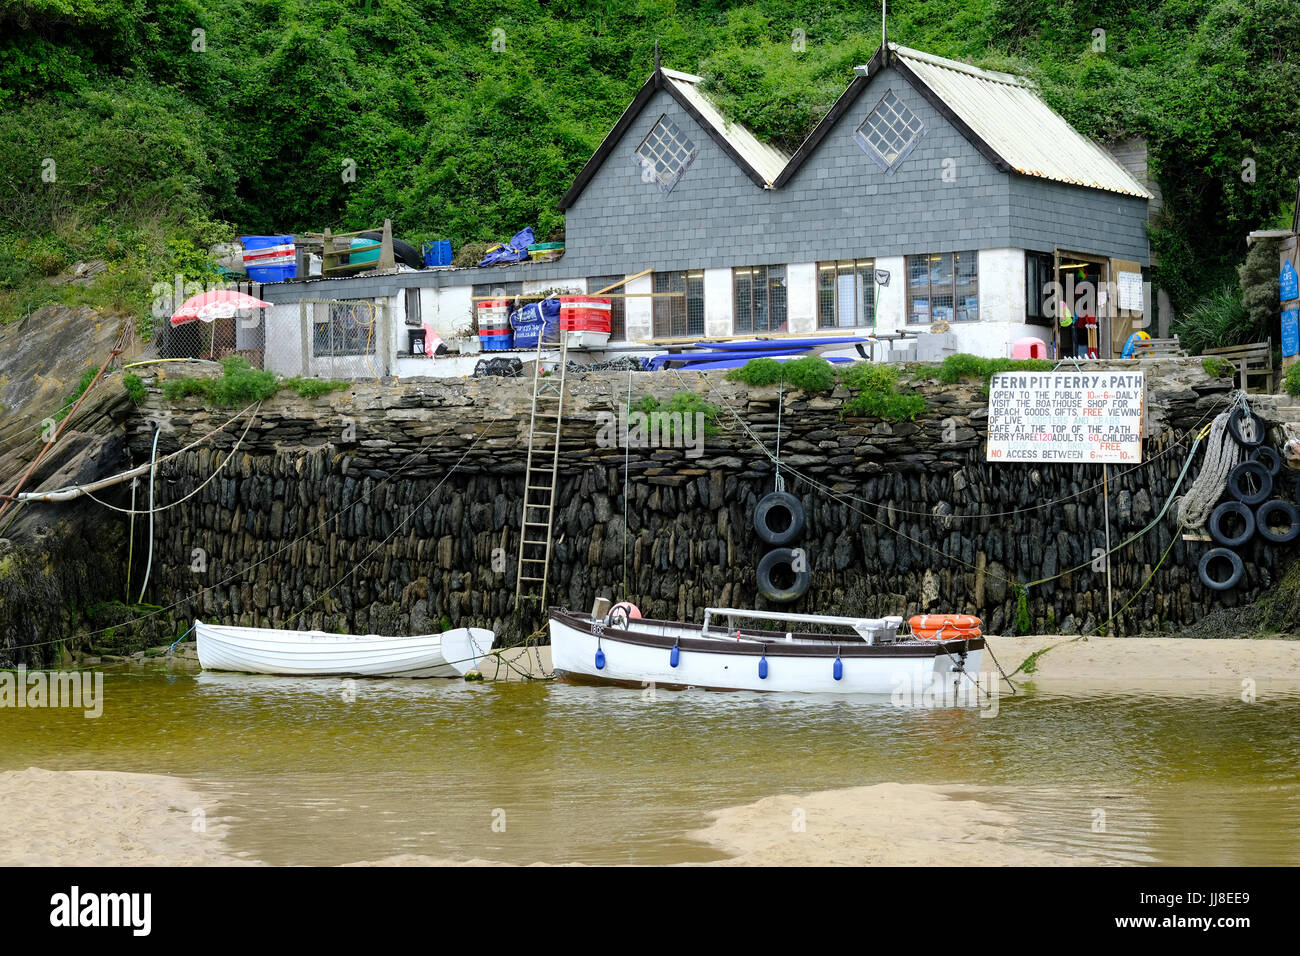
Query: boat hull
644,657
255,650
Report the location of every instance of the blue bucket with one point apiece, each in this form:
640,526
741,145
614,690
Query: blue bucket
437,253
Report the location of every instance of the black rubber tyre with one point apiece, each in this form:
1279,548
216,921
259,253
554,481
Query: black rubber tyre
1221,512
767,568
1267,456
1250,469
403,251
1238,569
1235,421
1274,506
778,519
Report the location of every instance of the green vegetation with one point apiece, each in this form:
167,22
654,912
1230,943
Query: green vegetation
131,138
87,377
240,385
964,366
1293,380
1214,322
1214,367
684,404
757,372
878,395
809,373
134,386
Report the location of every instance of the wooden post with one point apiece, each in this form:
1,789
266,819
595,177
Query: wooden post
386,259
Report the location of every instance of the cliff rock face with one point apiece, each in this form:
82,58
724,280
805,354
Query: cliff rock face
396,509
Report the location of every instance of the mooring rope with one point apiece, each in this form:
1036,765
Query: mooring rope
1222,454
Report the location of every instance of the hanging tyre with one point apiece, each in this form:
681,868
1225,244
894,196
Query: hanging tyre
777,578
1235,509
1246,428
1250,483
778,519
1236,569
1271,509
1267,456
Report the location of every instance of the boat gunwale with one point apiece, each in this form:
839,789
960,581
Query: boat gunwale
776,647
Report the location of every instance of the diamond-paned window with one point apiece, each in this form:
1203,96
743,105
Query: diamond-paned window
665,154
890,131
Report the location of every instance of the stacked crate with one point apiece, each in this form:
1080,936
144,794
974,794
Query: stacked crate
494,325
585,320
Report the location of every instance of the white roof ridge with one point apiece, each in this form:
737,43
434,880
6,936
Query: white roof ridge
993,76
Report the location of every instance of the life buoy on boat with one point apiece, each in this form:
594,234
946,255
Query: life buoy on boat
945,633
782,558
778,518
930,622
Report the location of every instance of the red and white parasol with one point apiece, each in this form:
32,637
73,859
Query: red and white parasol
217,304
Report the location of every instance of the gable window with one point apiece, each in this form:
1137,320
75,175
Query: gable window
665,154
846,293
679,316
617,306
943,287
1038,276
760,299
343,328
889,132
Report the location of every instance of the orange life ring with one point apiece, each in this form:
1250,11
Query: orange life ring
945,633
930,622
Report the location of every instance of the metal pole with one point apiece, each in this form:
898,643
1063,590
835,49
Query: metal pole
1105,491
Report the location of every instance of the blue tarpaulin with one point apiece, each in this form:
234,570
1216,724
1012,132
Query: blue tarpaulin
534,319
514,251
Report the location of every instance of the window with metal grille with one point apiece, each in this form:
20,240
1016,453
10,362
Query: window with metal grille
1038,279
617,306
760,299
890,131
943,287
503,290
846,293
678,316
665,154
344,328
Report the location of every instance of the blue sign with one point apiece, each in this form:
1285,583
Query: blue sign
1291,332
1287,283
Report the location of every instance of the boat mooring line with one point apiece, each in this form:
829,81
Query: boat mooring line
238,574
153,471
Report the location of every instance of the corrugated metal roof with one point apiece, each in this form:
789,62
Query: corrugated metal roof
1007,113
767,161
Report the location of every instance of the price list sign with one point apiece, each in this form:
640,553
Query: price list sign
1086,417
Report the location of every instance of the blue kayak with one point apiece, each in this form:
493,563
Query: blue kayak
781,345
737,363
659,361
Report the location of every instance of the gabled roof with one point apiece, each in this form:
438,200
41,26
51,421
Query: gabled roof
1007,115
1000,114
760,162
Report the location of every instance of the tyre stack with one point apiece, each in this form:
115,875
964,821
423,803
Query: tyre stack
1251,507
785,572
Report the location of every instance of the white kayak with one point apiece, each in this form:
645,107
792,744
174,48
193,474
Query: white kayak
260,650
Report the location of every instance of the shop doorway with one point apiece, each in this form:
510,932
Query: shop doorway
1082,313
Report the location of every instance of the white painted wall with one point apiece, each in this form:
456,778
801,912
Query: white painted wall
891,312
283,349
719,296
801,296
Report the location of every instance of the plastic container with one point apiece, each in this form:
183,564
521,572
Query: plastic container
585,320
437,253
1029,347
494,325
269,258
370,255
543,251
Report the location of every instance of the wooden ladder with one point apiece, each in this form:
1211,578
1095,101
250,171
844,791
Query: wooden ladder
540,478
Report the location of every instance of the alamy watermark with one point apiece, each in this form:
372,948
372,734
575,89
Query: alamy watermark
81,690
654,429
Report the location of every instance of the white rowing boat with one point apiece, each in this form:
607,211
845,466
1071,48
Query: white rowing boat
865,656
260,650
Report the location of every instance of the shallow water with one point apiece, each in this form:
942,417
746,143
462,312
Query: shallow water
312,773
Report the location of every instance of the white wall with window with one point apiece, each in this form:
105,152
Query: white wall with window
760,300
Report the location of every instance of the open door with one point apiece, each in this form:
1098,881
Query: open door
1127,312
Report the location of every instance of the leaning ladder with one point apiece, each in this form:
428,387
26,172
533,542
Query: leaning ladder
539,479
